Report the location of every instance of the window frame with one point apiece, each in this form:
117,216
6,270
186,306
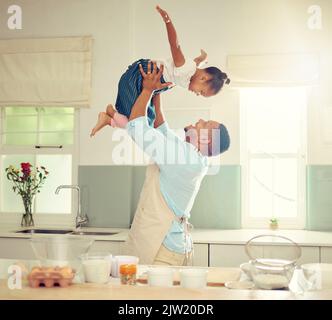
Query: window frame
45,219
263,223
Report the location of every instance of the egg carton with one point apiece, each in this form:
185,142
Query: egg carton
51,276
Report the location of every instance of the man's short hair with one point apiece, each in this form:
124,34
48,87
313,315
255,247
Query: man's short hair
220,141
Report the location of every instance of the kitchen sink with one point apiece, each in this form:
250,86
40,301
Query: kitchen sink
75,232
92,233
44,231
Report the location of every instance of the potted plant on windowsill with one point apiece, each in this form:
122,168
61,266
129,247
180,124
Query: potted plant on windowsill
274,223
27,183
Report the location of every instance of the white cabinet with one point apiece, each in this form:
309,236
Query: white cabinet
224,255
309,255
201,255
326,254
219,255
16,248
234,255
113,247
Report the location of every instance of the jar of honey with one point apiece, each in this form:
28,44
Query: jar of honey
128,274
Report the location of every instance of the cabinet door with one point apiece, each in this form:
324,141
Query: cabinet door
201,255
15,248
227,255
326,254
308,254
113,247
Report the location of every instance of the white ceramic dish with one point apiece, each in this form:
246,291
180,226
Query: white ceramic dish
160,277
242,285
193,278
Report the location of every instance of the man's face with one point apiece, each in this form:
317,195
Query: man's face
200,131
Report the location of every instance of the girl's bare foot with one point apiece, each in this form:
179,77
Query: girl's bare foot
103,120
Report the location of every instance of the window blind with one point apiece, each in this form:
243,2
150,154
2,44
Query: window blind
46,72
273,70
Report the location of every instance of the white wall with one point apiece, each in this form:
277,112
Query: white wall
126,30
108,21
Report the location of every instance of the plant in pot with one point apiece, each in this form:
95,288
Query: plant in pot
274,223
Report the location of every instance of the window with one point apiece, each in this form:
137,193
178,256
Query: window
273,156
41,136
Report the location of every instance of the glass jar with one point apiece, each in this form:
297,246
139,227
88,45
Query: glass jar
128,274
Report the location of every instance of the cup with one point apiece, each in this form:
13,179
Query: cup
193,278
96,267
117,261
160,277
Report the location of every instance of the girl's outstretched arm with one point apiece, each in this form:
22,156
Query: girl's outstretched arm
178,57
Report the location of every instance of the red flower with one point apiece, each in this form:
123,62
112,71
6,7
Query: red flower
26,169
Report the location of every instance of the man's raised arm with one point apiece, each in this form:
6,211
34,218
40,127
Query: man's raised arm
151,82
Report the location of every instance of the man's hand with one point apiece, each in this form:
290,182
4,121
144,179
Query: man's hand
163,14
151,80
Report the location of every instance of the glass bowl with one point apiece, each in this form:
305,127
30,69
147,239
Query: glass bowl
60,251
271,273
273,260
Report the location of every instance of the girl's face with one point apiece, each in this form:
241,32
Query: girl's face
199,84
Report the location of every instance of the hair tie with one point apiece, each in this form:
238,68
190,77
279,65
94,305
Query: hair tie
228,81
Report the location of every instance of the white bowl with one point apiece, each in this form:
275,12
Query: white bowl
160,277
319,275
193,278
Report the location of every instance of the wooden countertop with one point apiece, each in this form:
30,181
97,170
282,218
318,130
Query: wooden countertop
140,292
115,291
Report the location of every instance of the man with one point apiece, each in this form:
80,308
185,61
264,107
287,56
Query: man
159,233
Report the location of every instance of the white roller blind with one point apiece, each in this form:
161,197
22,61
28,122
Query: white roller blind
273,70
46,72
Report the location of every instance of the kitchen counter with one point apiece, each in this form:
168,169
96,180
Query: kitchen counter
143,292
211,236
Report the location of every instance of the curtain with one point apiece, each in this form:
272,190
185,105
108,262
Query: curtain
46,72
273,70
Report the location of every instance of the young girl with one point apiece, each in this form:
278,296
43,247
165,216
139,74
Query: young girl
179,71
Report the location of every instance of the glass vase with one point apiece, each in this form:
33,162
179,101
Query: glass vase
27,218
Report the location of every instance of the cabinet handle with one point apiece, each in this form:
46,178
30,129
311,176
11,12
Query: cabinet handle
48,147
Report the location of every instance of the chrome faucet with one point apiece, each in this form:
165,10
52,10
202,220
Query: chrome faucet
80,219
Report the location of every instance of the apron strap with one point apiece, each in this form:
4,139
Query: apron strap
187,227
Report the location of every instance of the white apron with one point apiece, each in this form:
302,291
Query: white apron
152,221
